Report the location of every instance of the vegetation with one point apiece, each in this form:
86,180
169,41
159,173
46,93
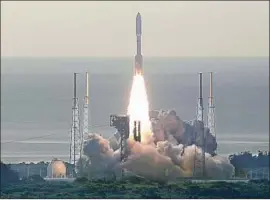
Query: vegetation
135,188
8,175
36,187
246,160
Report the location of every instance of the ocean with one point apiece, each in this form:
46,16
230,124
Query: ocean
36,100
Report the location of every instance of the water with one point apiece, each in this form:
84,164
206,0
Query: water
36,99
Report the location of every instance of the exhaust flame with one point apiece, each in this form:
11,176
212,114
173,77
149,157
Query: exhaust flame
138,108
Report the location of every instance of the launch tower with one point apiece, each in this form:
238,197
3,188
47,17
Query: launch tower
200,101
211,109
199,160
75,143
121,123
85,109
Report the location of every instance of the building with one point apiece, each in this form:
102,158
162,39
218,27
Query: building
56,169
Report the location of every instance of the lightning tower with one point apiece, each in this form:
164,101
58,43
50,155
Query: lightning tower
85,109
200,101
211,109
199,160
75,147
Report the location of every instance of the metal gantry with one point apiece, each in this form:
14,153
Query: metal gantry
121,123
85,110
211,109
75,147
258,173
200,101
199,159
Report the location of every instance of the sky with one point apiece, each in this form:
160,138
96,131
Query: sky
107,29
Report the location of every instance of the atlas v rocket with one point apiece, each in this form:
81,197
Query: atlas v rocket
138,57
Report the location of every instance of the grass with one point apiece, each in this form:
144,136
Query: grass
139,189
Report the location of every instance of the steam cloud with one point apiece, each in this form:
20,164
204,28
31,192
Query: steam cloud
169,154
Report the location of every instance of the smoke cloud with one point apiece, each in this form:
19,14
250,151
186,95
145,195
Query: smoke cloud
168,124
169,154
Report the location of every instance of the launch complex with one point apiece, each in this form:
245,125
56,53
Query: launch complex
133,124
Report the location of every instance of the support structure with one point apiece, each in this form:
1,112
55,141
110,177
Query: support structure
200,101
85,109
211,109
258,173
199,160
121,123
137,131
75,147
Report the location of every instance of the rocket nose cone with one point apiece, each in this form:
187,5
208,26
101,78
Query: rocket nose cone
138,24
138,16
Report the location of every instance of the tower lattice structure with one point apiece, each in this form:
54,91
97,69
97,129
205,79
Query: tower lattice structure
211,109
86,111
75,147
121,123
199,158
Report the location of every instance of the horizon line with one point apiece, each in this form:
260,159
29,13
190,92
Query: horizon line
128,57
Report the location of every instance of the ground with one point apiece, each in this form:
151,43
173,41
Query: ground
135,189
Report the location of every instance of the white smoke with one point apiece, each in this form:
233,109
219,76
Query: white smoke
98,157
169,153
168,126
171,156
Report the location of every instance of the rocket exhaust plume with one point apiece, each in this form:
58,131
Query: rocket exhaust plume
138,108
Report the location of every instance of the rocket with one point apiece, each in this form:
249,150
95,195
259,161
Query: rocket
138,57
137,131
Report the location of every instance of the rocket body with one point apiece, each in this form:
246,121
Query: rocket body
138,57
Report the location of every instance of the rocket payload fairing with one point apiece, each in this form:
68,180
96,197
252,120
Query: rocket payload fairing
138,57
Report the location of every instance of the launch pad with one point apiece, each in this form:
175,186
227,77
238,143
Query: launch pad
135,120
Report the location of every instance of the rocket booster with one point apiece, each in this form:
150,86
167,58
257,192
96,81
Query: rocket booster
138,57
